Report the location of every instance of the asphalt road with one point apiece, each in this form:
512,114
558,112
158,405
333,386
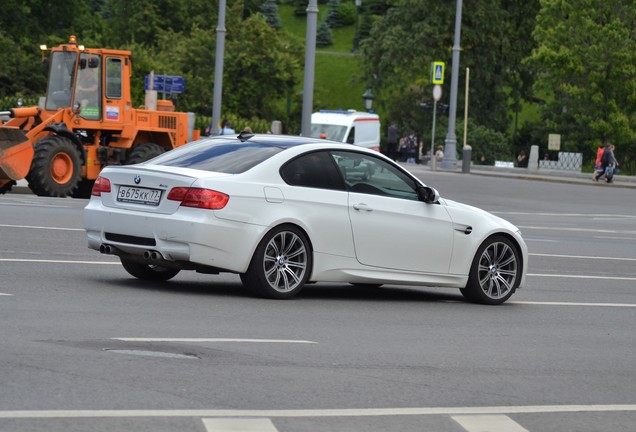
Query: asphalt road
84,347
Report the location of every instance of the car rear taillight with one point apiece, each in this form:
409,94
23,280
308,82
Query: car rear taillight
199,198
102,184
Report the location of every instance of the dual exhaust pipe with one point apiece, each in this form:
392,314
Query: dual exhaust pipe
149,255
152,255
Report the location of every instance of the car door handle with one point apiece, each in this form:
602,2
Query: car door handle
362,207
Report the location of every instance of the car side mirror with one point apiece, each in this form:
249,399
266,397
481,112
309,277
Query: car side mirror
427,194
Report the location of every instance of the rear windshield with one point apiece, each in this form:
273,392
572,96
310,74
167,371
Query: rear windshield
224,157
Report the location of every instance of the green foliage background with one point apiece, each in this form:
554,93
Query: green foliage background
536,66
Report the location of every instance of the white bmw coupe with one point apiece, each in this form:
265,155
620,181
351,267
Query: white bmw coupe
283,211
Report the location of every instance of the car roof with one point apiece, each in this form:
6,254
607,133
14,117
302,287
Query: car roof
282,141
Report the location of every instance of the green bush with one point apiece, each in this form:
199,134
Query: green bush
324,36
491,144
6,103
347,12
238,124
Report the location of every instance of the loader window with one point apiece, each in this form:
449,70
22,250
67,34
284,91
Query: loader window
61,78
88,87
113,78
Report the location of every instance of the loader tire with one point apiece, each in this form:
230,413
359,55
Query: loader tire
83,189
56,167
143,152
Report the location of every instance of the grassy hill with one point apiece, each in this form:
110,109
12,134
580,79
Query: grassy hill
339,80
338,76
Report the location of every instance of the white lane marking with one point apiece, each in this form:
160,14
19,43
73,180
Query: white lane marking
616,238
585,215
582,276
59,261
593,230
544,303
583,257
488,423
362,412
41,227
212,340
4,294
32,205
239,425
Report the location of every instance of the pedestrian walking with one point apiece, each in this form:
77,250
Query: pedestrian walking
597,163
393,138
439,154
522,159
608,165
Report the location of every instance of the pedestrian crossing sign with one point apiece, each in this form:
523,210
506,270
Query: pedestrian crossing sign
437,72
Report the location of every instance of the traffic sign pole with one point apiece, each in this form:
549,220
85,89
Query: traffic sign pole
433,159
437,95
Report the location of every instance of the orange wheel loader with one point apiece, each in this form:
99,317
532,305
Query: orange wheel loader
86,122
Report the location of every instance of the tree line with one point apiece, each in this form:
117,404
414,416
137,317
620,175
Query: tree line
572,61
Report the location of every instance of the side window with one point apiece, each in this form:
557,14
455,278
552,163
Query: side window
88,86
315,170
368,174
113,78
352,135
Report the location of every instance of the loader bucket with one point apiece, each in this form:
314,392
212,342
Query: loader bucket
16,154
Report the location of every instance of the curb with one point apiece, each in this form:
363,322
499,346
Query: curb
624,182
550,176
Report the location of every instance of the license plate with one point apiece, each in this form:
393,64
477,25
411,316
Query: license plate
139,195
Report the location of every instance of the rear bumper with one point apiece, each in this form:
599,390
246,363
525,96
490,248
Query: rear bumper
188,236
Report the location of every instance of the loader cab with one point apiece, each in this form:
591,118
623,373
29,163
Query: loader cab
75,82
93,82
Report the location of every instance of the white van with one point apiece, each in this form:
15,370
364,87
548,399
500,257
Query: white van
353,127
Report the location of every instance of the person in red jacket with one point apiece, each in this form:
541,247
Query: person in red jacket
599,156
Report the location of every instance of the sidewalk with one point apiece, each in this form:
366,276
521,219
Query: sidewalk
554,176
546,175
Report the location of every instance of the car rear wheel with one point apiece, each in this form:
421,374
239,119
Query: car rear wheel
281,264
495,272
148,271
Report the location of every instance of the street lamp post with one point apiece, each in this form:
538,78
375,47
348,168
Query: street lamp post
218,70
310,64
450,150
356,36
368,100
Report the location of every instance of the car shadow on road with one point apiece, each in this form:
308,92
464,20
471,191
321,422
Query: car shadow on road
319,291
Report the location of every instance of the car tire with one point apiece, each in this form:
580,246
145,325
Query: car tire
148,271
495,272
281,264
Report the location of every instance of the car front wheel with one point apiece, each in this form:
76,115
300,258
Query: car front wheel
281,264
495,272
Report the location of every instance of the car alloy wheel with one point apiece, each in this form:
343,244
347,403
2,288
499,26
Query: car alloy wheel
281,264
494,273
